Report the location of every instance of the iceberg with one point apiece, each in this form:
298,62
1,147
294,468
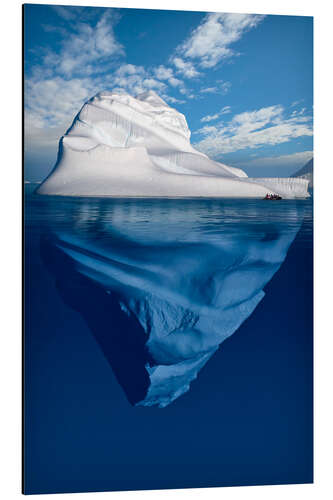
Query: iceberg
306,172
162,283
124,146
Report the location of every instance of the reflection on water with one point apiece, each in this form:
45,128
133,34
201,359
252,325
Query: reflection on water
161,283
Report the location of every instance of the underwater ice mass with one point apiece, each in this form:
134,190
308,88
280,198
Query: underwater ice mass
162,284
125,146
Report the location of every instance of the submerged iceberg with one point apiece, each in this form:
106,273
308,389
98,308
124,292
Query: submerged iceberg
125,146
162,283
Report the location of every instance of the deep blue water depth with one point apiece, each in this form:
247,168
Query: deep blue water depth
247,419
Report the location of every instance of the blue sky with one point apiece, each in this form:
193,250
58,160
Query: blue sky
244,82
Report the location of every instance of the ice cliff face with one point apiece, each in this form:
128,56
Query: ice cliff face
162,286
119,145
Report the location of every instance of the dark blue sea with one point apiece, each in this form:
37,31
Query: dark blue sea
248,416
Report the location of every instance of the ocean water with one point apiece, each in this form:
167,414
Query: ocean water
247,418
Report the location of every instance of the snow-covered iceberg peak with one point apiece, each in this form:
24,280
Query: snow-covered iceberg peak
120,145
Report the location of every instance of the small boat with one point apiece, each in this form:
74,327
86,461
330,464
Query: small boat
272,197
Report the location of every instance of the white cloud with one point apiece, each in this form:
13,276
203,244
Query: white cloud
66,13
163,73
151,83
135,79
87,45
54,101
129,69
175,82
209,90
225,110
186,68
172,100
210,131
252,129
56,89
296,103
221,88
225,87
292,160
210,118
210,42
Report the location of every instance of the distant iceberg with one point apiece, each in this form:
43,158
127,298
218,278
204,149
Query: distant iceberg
125,146
306,172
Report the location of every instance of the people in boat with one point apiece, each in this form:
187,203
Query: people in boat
271,196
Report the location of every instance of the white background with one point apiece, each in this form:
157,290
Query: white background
10,248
